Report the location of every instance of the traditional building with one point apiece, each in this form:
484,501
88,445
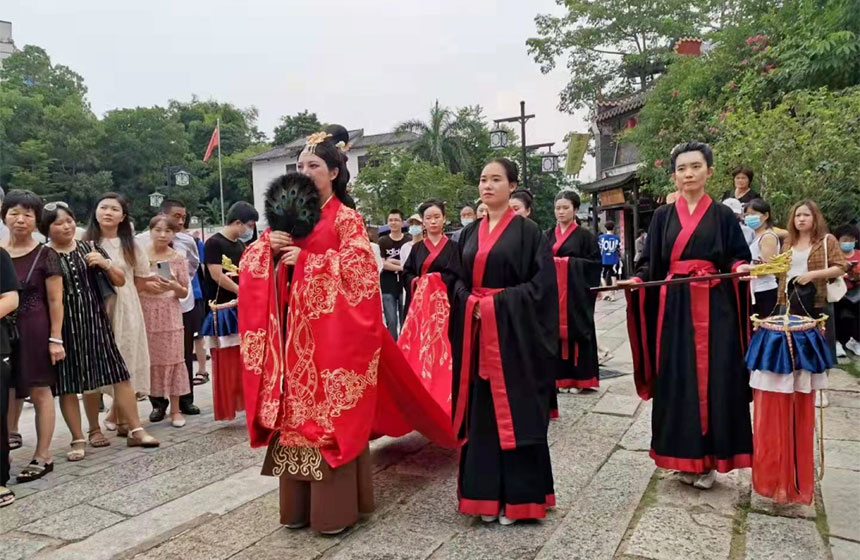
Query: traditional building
7,45
615,194
282,159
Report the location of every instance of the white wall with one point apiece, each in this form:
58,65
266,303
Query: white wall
263,173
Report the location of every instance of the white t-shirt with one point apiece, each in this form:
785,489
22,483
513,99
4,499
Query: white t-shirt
799,262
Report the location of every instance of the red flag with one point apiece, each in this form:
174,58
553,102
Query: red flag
214,141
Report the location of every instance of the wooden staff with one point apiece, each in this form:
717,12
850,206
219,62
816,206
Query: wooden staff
671,281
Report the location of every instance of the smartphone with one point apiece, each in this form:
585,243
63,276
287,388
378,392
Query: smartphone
164,270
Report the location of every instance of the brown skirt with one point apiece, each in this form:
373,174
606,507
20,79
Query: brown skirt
332,503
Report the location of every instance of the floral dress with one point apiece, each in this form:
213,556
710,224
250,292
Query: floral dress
126,315
165,332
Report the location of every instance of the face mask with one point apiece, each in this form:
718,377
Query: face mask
415,230
753,221
466,221
847,246
247,236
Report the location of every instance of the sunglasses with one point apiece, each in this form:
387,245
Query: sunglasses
52,206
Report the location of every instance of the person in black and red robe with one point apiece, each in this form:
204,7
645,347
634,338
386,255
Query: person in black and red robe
507,302
429,275
577,266
435,253
688,340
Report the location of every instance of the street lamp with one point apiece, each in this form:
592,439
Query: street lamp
182,178
549,162
498,138
155,199
522,118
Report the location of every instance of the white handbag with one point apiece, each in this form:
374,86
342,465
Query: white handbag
836,287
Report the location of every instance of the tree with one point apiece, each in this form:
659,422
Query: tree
612,47
299,126
751,71
48,134
455,139
137,146
808,146
398,180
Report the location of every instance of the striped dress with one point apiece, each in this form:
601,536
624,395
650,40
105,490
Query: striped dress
92,357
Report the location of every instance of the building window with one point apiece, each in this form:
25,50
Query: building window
362,163
291,168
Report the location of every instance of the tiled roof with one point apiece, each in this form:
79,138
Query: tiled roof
356,137
607,183
612,108
292,148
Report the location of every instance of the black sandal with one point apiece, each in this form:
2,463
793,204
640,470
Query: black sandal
6,496
34,471
200,378
15,440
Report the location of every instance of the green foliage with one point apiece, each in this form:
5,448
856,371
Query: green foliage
612,47
399,180
808,146
52,143
301,125
457,139
743,98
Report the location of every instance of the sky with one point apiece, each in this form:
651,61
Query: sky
363,63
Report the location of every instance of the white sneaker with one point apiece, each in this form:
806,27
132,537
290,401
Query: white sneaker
853,346
821,399
564,389
840,352
489,518
505,521
705,481
575,390
687,477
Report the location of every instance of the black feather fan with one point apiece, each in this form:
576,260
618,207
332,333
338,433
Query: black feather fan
292,204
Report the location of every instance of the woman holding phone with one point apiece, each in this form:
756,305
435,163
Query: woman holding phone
163,316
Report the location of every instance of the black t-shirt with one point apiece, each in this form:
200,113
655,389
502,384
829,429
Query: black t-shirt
745,199
213,250
389,280
8,282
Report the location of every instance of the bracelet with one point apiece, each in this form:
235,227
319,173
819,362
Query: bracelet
56,341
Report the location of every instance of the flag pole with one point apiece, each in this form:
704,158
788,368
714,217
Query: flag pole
220,176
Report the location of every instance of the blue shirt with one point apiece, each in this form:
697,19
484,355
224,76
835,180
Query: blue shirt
609,244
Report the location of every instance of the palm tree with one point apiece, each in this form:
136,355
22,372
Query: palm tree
443,139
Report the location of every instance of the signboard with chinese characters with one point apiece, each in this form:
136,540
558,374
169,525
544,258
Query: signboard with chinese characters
612,197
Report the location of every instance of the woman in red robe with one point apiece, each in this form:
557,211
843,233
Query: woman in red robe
322,377
507,302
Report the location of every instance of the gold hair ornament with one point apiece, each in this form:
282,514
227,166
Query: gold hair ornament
315,140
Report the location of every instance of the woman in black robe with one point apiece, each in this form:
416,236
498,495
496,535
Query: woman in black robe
688,340
507,304
578,266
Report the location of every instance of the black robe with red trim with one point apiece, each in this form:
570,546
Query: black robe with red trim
579,255
688,340
501,392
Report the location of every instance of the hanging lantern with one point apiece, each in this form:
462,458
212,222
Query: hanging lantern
498,138
182,178
549,162
155,199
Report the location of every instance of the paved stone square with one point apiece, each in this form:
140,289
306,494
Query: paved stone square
200,495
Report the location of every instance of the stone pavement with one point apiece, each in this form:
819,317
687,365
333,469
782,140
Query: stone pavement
200,495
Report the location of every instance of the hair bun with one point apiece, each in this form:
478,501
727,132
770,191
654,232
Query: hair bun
338,133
